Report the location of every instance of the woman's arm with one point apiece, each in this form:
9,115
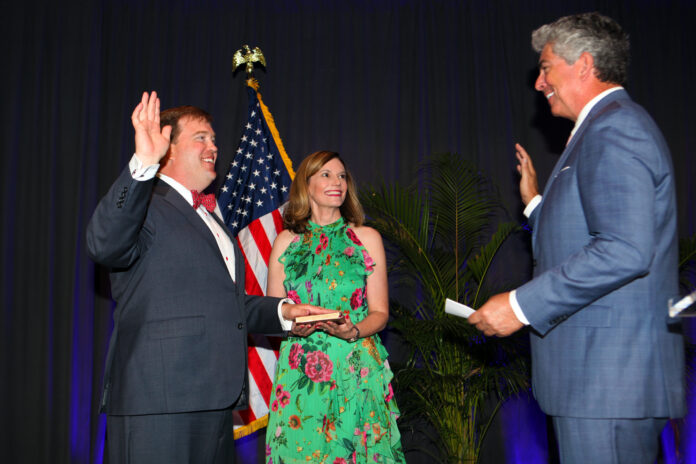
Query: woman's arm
276,270
276,277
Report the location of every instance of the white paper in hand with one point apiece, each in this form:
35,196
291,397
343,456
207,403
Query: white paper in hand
458,309
678,308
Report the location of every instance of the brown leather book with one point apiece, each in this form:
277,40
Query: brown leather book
319,317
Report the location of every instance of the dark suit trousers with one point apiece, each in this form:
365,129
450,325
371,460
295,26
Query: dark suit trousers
189,437
608,441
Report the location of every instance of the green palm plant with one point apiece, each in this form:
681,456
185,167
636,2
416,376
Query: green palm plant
687,284
442,244
687,264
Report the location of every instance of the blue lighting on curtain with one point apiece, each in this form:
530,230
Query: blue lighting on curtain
669,443
100,445
524,427
247,448
101,435
688,427
82,357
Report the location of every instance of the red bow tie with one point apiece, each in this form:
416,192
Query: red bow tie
208,201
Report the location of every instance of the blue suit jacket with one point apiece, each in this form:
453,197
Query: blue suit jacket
605,250
180,325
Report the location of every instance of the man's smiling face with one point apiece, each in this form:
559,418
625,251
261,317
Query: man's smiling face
192,156
558,81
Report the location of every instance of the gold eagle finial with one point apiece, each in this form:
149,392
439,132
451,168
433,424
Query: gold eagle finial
247,56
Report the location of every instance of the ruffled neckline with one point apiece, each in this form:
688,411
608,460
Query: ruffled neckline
328,227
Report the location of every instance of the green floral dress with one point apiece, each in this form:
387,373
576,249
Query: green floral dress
332,402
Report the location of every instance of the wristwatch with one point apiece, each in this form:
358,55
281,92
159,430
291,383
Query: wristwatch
354,338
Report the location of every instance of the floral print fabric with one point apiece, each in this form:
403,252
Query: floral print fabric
332,402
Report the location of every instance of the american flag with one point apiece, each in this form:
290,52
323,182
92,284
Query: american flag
251,200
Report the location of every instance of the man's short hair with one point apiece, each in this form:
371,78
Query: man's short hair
598,35
171,117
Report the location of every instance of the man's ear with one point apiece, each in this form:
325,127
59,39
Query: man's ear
166,159
586,65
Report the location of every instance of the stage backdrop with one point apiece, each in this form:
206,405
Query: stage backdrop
385,83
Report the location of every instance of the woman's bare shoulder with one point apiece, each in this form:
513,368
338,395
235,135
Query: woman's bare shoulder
282,241
367,235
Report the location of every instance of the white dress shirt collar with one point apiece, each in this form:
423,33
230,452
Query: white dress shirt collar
588,107
183,191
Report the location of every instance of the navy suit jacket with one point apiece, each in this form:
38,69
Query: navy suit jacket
605,248
180,325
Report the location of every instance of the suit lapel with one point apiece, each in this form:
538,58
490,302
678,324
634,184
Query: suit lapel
222,224
569,149
238,257
178,202
173,197
569,155
579,134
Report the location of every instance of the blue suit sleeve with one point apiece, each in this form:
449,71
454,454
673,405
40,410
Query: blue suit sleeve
115,228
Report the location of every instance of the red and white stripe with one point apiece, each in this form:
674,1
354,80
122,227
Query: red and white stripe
256,241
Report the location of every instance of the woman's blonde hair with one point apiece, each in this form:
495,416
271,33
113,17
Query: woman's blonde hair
298,211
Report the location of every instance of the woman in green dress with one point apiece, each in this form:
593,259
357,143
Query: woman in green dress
332,400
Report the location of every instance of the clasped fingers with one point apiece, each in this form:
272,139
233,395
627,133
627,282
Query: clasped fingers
302,330
342,330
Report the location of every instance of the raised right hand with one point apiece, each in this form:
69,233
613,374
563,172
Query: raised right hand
529,187
151,141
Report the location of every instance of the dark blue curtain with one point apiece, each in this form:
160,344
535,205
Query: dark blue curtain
383,82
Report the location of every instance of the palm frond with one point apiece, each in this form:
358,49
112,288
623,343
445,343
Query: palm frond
439,238
687,264
460,195
687,282
403,219
461,202
478,267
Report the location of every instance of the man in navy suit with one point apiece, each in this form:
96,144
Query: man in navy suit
607,363
176,365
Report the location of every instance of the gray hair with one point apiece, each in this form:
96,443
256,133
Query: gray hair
593,33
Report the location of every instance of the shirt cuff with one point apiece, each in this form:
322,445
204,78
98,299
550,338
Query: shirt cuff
516,307
286,325
140,172
533,203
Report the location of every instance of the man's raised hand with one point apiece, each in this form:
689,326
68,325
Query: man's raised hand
529,187
151,141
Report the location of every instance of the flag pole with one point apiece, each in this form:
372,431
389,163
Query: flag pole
252,199
247,56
